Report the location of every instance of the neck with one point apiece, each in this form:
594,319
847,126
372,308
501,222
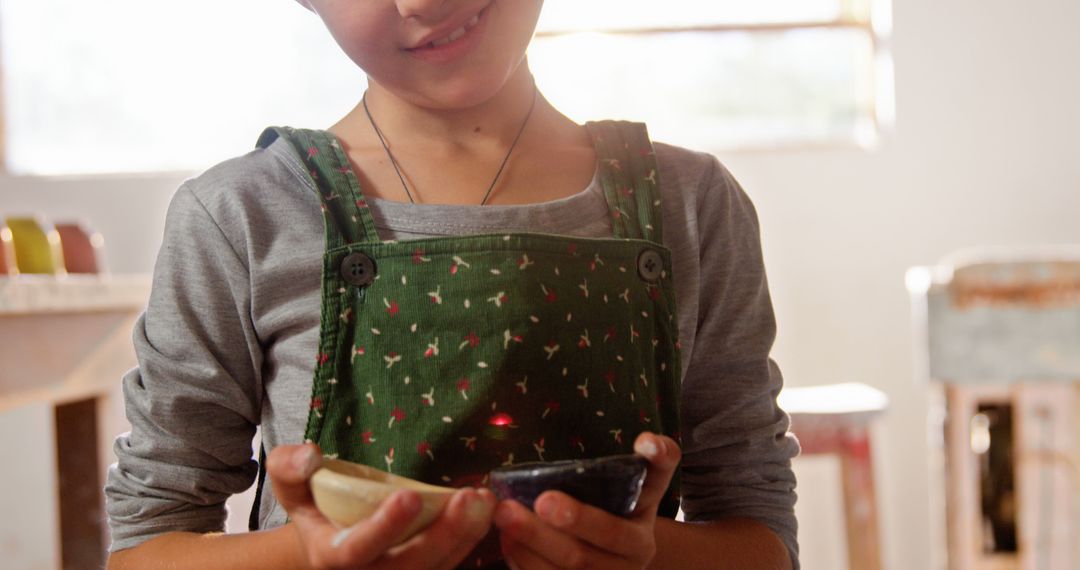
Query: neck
493,123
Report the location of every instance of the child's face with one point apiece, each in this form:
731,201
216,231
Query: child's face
392,41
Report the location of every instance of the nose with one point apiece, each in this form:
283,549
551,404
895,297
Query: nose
427,10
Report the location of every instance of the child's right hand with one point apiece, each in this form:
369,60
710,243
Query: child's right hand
370,543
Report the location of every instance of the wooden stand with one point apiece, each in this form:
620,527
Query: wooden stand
65,342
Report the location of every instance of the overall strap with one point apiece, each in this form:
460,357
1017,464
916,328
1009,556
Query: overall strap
630,178
348,219
260,482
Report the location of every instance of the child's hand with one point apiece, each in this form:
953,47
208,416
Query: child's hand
370,543
565,533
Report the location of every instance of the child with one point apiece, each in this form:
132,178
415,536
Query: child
472,280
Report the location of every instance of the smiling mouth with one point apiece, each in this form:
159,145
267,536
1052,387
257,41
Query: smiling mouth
454,35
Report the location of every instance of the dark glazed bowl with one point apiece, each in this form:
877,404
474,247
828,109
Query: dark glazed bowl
611,483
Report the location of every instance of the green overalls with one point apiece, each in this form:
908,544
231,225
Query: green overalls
441,359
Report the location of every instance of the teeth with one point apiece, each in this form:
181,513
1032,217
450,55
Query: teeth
456,34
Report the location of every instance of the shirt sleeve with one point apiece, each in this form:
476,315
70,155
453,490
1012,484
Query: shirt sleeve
736,447
193,401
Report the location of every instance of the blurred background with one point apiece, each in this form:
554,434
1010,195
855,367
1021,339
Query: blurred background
872,137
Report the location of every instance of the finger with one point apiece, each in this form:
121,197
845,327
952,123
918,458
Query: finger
523,529
289,468
663,455
625,538
462,524
368,539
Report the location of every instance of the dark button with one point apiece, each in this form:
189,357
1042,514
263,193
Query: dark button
650,265
358,269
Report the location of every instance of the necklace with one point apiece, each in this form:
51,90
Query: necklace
397,167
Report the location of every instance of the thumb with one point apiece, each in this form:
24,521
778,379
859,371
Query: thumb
663,455
290,467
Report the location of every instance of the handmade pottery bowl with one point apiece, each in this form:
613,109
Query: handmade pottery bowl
611,483
347,493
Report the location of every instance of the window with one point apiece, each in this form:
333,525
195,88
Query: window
129,85
717,74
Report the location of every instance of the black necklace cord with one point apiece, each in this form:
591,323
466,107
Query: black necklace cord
498,174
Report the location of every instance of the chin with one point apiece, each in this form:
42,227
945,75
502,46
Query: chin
460,93
463,87
465,97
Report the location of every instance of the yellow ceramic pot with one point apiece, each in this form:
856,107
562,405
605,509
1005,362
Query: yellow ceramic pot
36,246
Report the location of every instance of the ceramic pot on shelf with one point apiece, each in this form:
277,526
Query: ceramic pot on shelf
36,246
81,248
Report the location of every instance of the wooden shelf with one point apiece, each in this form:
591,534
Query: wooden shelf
65,343
61,338
36,294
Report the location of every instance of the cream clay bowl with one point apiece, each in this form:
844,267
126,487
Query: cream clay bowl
347,493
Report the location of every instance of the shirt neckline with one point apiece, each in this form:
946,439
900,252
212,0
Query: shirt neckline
560,214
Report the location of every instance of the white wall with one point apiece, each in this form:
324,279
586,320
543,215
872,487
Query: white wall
985,151
129,211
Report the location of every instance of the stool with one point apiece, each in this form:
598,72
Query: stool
999,335
835,419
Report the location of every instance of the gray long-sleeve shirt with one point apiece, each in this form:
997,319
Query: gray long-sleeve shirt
229,338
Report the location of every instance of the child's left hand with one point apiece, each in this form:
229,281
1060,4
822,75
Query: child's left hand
566,533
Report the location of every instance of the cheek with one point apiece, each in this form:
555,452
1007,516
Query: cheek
364,36
372,57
